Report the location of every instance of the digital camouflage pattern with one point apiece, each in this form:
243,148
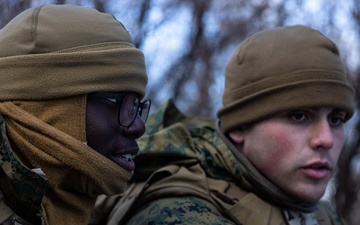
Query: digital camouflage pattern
192,138
173,139
171,211
190,210
23,188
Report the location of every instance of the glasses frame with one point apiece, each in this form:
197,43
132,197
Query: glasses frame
119,97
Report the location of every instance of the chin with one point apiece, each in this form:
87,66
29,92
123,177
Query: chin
314,196
308,194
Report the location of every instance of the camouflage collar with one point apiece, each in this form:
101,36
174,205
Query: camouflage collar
22,187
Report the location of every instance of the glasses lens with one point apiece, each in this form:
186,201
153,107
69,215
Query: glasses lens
144,110
128,110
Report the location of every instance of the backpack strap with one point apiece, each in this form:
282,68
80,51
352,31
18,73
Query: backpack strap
7,216
163,182
175,180
243,207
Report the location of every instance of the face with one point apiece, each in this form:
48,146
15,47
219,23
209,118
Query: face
107,136
298,150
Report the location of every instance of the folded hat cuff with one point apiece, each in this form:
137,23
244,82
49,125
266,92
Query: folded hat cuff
302,89
115,66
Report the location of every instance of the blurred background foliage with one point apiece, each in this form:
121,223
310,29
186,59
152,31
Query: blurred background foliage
187,44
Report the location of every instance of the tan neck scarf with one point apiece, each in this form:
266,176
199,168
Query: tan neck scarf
76,173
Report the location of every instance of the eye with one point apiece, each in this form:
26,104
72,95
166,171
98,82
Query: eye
298,116
336,120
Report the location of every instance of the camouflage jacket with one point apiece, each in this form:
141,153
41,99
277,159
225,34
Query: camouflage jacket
180,178
21,189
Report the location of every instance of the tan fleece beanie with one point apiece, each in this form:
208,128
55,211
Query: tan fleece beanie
282,69
45,54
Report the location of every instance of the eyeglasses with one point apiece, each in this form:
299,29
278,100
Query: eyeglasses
129,106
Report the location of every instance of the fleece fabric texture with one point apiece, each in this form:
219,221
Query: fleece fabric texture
76,173
56,51
281,69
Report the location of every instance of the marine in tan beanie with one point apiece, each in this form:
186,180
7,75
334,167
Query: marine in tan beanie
70,82
285,103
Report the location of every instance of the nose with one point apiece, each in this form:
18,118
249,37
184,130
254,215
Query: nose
321,136
136,130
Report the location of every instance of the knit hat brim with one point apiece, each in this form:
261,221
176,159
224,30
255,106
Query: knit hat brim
303,89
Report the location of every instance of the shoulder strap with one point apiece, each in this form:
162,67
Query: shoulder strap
7,216
5,211
184,180
191,180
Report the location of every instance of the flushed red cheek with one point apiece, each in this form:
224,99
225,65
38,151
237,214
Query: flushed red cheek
280,153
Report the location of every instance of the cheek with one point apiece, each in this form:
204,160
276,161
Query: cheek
92,129
270,150
95,126
279,153
97,130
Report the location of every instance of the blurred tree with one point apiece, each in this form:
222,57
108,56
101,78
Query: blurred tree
192,70
187,44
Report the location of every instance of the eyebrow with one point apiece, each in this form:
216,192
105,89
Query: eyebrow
338,111
314,109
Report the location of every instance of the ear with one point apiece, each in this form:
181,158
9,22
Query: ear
237,136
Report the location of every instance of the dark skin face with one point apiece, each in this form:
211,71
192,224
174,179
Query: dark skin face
105,135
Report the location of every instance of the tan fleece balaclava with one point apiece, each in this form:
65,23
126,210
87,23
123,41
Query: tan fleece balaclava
51,57
67,50
282,69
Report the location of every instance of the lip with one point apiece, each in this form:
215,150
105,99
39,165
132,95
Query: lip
124,158
317,170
